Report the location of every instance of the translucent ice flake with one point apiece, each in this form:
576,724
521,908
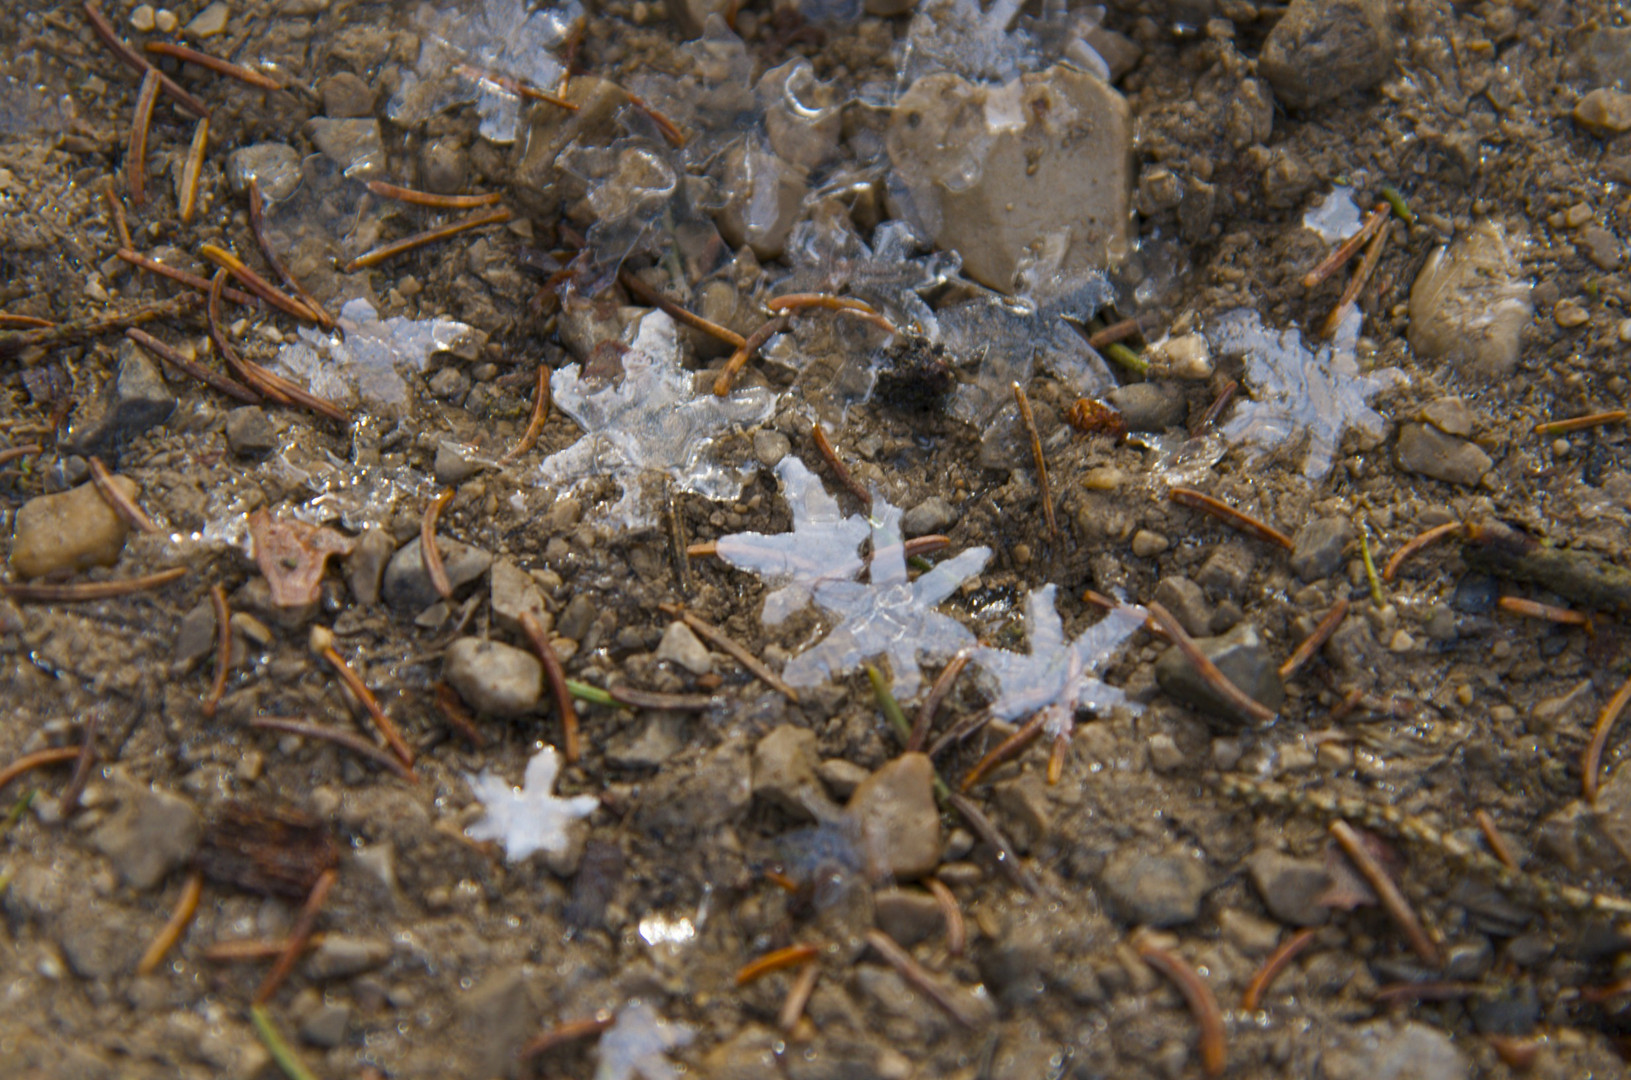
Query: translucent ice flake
1336,217
530,818
363,363
1056,677
637,1045
958,36
1298,391
650,420
821,548
889,616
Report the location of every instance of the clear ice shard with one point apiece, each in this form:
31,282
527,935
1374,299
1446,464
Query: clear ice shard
823,546
1057,677
1298,391
363,362
649,419
636,1046
529,818
890,616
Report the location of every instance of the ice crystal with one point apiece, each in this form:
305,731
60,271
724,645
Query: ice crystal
958,36
361,361
530,818
649,420
1299,391
890,616
637,1045
822,547
1057,676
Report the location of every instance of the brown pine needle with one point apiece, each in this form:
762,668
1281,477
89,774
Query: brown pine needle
248,372
1340,255
1043,487
670,130
304,924
107,322
541,402
569,1032
84,592
231,70
1534,609
1119,331
1356,284
1498,845
910,970
230,387
182,277
1004,751
1437,532
798,996
9,321
1580,423
513,86
69,801
355,743
248,950
1215,410
191,170
454,712
1007,857
38,759
1202,1003
636,698
429,236
744,352
792,956
931,704
118,501
1208,670
383,723
843,305
12,453
1273,966
257,284
836,464
432,199
731,645
429,552
136,148
1592,760
263,240
223,649
1056,758
116,212
186,908
1239,519
646,294
1311,645
1393,901
138,63
956,930
571,742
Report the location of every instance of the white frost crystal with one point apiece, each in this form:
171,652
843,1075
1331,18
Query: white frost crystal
823,546
650,420
530,818
890,616
361,361
1057,677
637,1045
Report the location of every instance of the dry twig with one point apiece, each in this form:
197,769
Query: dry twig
1498,845
136,148
1311,644
571,743
247,76
914,974
432,199
1045,490
355,743
304,924
1580,423
1202,1003
1346,250
646,294
1449,528
429,553
257,225
840,470
1393,901
138,63
82,592
322,640
256,284
956,931
931,704
1592,760
569,1032
736,649
186,907
541,403
780,959
1239,519
223,649
1272,967
430,236
118,501
1356,284
37,759
191,170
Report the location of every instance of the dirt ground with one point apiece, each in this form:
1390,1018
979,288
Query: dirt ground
1431,709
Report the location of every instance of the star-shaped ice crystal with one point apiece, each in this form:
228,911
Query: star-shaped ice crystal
1056,677
890,616
637,1044
530,818
821,548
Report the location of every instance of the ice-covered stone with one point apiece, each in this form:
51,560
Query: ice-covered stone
363,360
636,1046
1470,303
530,818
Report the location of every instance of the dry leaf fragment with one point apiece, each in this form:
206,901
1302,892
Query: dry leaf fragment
292,555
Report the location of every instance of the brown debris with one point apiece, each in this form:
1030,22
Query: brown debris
267,849
293,556
1239,519
1393,901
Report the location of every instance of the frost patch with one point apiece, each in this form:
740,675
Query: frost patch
1297,390
890,616
637,1045
530,818
650,420
363,363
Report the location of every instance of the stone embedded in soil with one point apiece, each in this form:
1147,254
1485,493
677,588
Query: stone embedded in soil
1155,890
209,22
494,678
1244,660
355,145
1187,603
898,819
1388,1051
1037,167
71,530
1604,111
250,432
680,646
1023,803
135,399
784,772
326,1026
275,167
1149,406
932,516
365,566
1227,570
1318,547
661,738
1290,887
454,463
407,586
1613,810
514,593
341,956
1323,49
907,915
151,834
1450,415
498,1016
346,96
1513,1010
1469,304
1014,965
98,939
1429,452
841,777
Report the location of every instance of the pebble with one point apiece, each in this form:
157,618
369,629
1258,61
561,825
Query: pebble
494,678
1155,890
841,777
355,144
449,383
444,166
932,516
681,646
1227,570
498,1016
1512,1010
340,956
1570,313
365,566
152,833
1604,111
1602,247
1109,478
1450,415
1147,544
98,940
661,738
250,432
209,22
1023,803
784,772
1470,302
195,638
515,592
1429,452
407,587
751,1053
1149,406
1290,887
346,96
1013,962
1241,656
141,18
1165,754
275,167
577,618
770,446
71,530
453,465
1187,356
907,915
1318,547
326,1025
898,819
165,21
1386,1051
135,399
1187,602
1323,49
1251,935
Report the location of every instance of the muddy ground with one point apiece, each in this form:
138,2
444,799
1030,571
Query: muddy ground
442,959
